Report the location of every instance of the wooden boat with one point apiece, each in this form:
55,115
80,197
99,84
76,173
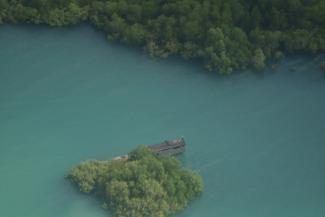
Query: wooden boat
172,147
166,148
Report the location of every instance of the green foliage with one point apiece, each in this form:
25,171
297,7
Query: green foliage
72,14
278,56
144,185
259,59
223,35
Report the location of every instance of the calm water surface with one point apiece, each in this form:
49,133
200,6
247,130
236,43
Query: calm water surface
67,95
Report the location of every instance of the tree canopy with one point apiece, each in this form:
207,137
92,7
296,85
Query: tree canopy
144,185
225,35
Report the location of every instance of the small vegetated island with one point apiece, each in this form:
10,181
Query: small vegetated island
225,35
143,185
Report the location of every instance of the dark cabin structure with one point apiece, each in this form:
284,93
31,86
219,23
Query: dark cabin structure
172,147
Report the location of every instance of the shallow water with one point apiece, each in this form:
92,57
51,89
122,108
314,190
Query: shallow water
67,95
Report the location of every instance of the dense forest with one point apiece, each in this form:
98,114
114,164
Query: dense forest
144,185
225,35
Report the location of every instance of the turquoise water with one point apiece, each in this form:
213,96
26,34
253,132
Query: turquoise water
67,95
